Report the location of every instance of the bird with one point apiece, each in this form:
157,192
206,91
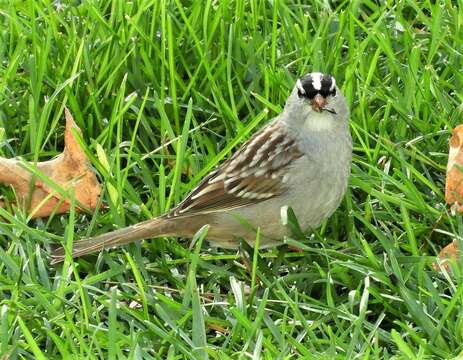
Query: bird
300,160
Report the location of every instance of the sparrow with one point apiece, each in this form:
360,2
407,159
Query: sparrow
301,160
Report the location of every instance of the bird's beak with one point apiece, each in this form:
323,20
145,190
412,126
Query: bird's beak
318,103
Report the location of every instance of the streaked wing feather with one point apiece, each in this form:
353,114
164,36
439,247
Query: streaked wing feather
254,173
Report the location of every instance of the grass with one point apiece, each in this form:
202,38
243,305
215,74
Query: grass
163,90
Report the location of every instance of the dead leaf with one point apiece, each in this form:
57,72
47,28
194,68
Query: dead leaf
454,178
70,170
446,255
218,328
453,194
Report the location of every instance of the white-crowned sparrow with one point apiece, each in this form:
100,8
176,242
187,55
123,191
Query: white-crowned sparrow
301,159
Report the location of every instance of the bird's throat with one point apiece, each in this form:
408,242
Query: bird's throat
321,121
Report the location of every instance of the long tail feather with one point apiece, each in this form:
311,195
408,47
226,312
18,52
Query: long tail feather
151,228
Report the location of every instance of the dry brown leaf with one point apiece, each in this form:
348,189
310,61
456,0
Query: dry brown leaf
454,178
453,193
218,328
70,170
446,255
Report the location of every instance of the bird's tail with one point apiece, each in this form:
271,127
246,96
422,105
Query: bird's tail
147,229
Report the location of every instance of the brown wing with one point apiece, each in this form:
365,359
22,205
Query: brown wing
254,173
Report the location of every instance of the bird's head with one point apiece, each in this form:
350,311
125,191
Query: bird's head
316,95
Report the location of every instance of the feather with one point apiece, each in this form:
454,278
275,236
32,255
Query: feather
254,173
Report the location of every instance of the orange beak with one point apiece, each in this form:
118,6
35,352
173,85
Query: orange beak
318,103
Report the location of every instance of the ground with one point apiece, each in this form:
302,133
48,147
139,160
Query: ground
165,90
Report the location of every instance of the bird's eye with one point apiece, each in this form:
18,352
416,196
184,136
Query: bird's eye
300,93
333,92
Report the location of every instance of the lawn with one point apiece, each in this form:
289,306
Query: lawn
165,90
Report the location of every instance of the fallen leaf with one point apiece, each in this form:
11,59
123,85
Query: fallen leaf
447,254
218,328
454,178
453,194
70,171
